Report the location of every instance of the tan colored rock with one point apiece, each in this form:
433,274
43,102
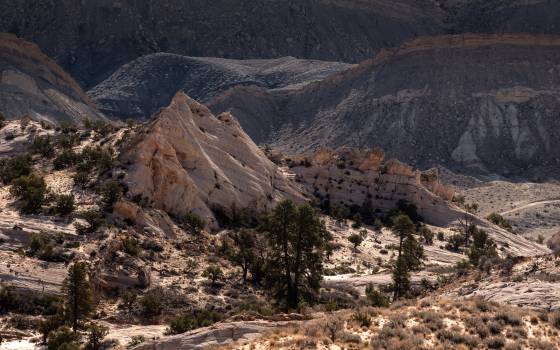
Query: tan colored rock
188,160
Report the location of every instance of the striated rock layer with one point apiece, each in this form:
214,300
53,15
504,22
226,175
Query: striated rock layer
139,88
484,103
33,84
188,160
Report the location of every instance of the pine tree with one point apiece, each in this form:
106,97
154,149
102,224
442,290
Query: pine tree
402,227
77,294
413,253
401,278
296,238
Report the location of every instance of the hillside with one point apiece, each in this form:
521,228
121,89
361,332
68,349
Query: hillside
468,102
33,84
139,88
93,39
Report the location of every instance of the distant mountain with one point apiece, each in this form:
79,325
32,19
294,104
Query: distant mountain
139,88
91,39
33,84
488,103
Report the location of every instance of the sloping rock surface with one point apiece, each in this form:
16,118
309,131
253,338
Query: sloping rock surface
188,160
33,84
139,88
480,103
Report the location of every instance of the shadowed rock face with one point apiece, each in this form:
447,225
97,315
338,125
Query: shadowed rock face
188,160
33,84
92,38
141,87
488,103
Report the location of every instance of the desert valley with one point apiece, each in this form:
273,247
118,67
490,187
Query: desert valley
277,174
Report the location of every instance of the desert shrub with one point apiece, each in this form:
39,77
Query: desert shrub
375,297
462,267
457,337
497,342
495,327
477,326
65,204
455,242
31,191
43,145
99,158
12,300
427,235
151,305
111,192
136,340
213,273
130,246
95,335
14,167
356,240
499,220
67,141
193,320
440,236
63,338
65,159
362,317
192,221
94,219
508,317
44,248
431,319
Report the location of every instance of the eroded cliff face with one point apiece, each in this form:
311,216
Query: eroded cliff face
484,103
33,84
349,177
91,39
187,160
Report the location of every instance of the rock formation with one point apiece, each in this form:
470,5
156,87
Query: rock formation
139,88
92,39
481,103
349,177
32,84
188,160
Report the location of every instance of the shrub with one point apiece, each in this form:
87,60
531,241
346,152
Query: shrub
65,204
81,178
427,235
455,241
193,222
362,317
213,273
67,141
65,159
136,340
197,319
111,192
375,297
508,317
499,220
2,120
356,240
31,191
495,342
43,145
94,218
131,246
440,236
63,338
151,305
96,333
15,167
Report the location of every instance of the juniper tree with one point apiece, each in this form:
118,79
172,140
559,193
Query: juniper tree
77,294
402,227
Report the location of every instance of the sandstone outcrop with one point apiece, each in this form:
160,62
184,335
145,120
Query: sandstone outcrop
32,84
187,160
458,101
349,177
